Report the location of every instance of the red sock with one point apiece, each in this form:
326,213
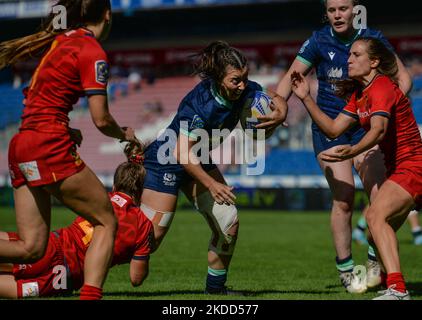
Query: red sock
91,293
383,279
396,278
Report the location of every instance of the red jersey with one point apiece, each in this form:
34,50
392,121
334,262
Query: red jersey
74,66
402,142
133,240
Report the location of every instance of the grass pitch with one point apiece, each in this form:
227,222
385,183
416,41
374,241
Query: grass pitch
279,256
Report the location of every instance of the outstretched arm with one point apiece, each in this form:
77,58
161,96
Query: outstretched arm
379,125
332,128
104,121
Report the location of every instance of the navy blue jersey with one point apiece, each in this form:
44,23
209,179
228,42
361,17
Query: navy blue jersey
202,109
329,55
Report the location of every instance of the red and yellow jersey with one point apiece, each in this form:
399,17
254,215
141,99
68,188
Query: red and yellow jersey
134,238
402,142
74,66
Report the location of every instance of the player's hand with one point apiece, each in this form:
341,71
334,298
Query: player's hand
277,116
76,136
339,153
129,135
300,85
222,193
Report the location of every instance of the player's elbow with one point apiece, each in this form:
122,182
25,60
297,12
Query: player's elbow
137,280
102,123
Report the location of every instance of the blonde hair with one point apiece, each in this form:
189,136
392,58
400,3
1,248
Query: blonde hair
78,13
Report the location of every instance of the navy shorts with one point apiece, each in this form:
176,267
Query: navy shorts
166,178
322,143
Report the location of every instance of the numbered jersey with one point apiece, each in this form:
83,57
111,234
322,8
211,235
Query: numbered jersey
133,240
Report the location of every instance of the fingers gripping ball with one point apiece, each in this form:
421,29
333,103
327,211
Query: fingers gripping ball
258,104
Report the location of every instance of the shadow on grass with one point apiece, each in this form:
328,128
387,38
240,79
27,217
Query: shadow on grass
414,288
238,293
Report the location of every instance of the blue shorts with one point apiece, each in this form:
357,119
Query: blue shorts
166,178
322,143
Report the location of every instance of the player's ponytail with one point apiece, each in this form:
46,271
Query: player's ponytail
78,13
129,176
212,61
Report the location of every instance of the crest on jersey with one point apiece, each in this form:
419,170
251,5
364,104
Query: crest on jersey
101,71
197,123
335,73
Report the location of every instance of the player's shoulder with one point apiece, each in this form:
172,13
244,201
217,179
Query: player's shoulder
321,33
200,96
382,83
84,40
373,33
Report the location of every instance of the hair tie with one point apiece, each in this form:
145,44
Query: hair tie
137,158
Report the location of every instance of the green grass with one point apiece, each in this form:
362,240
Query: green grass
279,255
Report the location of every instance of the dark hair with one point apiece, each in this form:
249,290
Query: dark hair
211,62
376,49
78,13
129,176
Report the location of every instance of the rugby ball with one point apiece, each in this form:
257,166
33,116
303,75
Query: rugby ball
257,104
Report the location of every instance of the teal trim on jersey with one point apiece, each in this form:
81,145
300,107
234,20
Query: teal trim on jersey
347,43
215,272
303,60
219,98
189,134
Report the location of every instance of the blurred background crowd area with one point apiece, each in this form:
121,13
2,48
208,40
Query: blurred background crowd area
149,49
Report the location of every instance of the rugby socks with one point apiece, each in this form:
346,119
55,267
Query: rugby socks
91,293
396,279
362,225
371,253
216,280
417,232
345,265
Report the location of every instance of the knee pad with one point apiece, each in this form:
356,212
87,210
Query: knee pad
223,221
162,219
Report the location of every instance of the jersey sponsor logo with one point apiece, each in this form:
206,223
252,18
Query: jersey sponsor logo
30,289
169,179
30,170
302,50
119,200
197,123
101,71
331,54
335,73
